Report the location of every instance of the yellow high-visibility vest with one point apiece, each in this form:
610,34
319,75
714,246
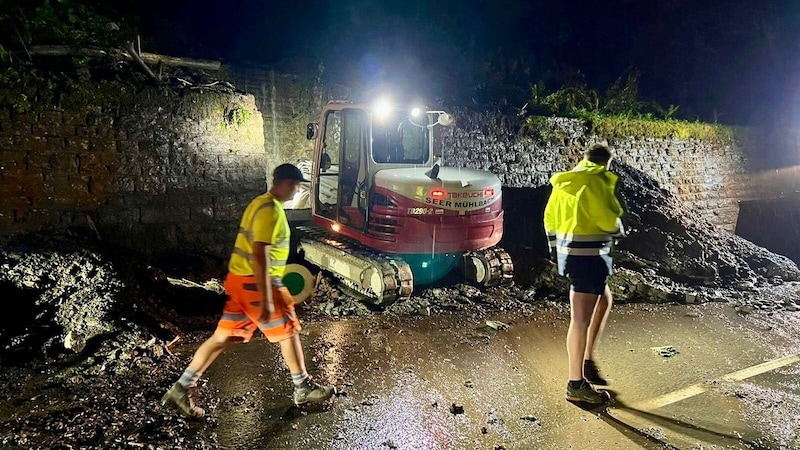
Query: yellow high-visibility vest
582,215
264,220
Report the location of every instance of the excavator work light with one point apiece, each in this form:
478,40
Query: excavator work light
382,108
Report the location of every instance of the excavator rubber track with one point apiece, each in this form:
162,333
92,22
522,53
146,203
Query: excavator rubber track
488,267
380,278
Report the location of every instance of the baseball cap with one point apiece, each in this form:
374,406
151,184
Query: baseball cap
288,172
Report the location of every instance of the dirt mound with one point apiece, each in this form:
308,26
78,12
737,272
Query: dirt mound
84,353
62,294
674,254
70,294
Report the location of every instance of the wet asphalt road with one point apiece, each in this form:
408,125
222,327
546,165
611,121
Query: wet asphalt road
399,377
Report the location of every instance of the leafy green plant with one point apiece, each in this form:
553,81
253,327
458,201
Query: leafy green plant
237,117
623,96
72,22
619,113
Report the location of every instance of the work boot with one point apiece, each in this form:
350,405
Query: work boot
184,399
312,392
586,394
591,374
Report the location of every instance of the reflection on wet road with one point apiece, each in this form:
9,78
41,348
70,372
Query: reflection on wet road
404,381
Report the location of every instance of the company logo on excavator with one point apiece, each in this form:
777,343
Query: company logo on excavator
440,193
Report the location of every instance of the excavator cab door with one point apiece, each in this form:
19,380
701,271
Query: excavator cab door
342,168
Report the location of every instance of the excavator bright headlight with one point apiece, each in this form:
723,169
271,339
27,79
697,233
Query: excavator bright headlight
382,108
416,112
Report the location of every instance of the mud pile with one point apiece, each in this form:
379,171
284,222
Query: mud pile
461,298
673,254
63,296
85,347
70,293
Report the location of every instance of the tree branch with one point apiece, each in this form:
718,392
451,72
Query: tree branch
151,58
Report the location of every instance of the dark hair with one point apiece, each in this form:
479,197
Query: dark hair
598,154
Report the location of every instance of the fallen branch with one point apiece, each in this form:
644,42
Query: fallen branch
203,64
170,344
149,58
66,50
211,285
138,60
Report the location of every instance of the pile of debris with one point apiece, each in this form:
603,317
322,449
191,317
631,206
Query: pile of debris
674,255
85,349
329,300
64,297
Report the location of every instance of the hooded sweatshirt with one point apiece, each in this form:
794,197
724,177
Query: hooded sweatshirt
582,216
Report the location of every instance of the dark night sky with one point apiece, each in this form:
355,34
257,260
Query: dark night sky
732,60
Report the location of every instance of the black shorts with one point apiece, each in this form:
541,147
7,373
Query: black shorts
588,274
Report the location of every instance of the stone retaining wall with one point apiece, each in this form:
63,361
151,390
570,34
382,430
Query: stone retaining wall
707,176
162,171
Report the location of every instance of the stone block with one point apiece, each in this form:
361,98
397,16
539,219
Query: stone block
34,219
154,171
125,184
201,186
47,129
72,118
177,183
127,147
12,202
109,216
27,179
28,118
6,142
9,182
103,145
201,213
85,131
172,214
99,187
7,222
150,185
12,161
176,170
228,210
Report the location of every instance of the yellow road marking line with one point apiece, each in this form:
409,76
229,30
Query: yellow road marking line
699,388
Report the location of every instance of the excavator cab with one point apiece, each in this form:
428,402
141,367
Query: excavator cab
353,142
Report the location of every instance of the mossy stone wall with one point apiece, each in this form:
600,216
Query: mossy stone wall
154,169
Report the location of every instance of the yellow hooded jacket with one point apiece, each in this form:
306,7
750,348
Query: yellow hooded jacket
582,216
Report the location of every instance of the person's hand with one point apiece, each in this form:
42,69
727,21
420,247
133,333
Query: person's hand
267,309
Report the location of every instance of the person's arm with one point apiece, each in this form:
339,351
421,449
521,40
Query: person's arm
550,225
263,228
623,210
260,260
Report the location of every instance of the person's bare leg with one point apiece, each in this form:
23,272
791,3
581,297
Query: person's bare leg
210,350
598,323
582,306
292,352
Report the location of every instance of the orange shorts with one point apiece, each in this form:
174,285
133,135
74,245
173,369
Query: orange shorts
242,312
